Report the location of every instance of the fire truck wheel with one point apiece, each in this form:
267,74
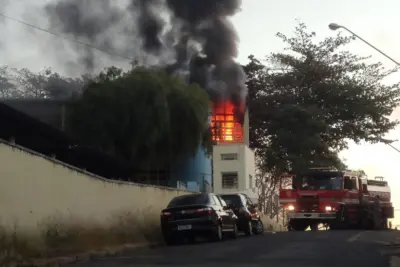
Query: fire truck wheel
385,224
314,227
298,225
342,220
365,222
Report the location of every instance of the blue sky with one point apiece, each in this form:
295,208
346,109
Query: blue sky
257,24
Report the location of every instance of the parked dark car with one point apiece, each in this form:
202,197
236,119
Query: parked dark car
249,219
194,215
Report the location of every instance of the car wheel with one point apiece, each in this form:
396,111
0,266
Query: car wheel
235,231
170,240
192,239
218,234
259,229
248,231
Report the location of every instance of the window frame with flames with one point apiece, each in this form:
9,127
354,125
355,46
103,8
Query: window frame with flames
225,126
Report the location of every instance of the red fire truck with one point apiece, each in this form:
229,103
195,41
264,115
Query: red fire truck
338,199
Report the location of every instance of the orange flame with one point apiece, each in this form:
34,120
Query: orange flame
225,127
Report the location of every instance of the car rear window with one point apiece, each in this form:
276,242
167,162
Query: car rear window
232,199
189,200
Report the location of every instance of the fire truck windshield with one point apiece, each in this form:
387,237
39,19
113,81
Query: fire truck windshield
318,181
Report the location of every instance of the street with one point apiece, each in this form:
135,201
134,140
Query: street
285,249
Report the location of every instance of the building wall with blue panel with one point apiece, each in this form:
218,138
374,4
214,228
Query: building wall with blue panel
195,172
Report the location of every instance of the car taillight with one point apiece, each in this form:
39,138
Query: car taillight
166,214
204,211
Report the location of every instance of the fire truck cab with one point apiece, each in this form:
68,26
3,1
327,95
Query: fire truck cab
340,199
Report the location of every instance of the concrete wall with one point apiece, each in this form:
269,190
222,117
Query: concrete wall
33,187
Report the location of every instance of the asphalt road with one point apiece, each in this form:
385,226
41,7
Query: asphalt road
285,249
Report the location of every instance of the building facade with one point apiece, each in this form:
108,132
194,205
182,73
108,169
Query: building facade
233,161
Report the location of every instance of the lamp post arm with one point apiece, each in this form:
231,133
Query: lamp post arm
395,148
374,47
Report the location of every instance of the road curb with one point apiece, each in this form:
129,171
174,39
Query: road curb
88,256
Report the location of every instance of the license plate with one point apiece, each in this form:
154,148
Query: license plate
184,227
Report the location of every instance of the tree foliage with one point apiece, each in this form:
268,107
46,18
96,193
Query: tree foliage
321,97
7,87
24,83
145,116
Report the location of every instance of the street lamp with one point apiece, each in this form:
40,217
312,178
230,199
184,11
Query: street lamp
335,26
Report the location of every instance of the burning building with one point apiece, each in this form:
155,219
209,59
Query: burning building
233,161
225,125
191,38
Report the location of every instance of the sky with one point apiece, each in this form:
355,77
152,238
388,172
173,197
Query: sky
257,25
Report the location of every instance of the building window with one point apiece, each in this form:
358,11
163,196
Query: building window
230,180
225,125
229,156
250,181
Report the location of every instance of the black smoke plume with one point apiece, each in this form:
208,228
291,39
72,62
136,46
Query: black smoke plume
187,36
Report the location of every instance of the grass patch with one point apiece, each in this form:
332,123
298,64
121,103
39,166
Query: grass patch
61,236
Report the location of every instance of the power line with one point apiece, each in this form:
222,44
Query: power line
64,37
101,49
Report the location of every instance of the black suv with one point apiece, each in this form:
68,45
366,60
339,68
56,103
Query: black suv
194,215
249,219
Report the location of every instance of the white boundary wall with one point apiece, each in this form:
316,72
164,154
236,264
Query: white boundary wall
34,187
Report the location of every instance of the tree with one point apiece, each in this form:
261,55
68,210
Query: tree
142,115
60,87
303,114
47,84
7,86
33,85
